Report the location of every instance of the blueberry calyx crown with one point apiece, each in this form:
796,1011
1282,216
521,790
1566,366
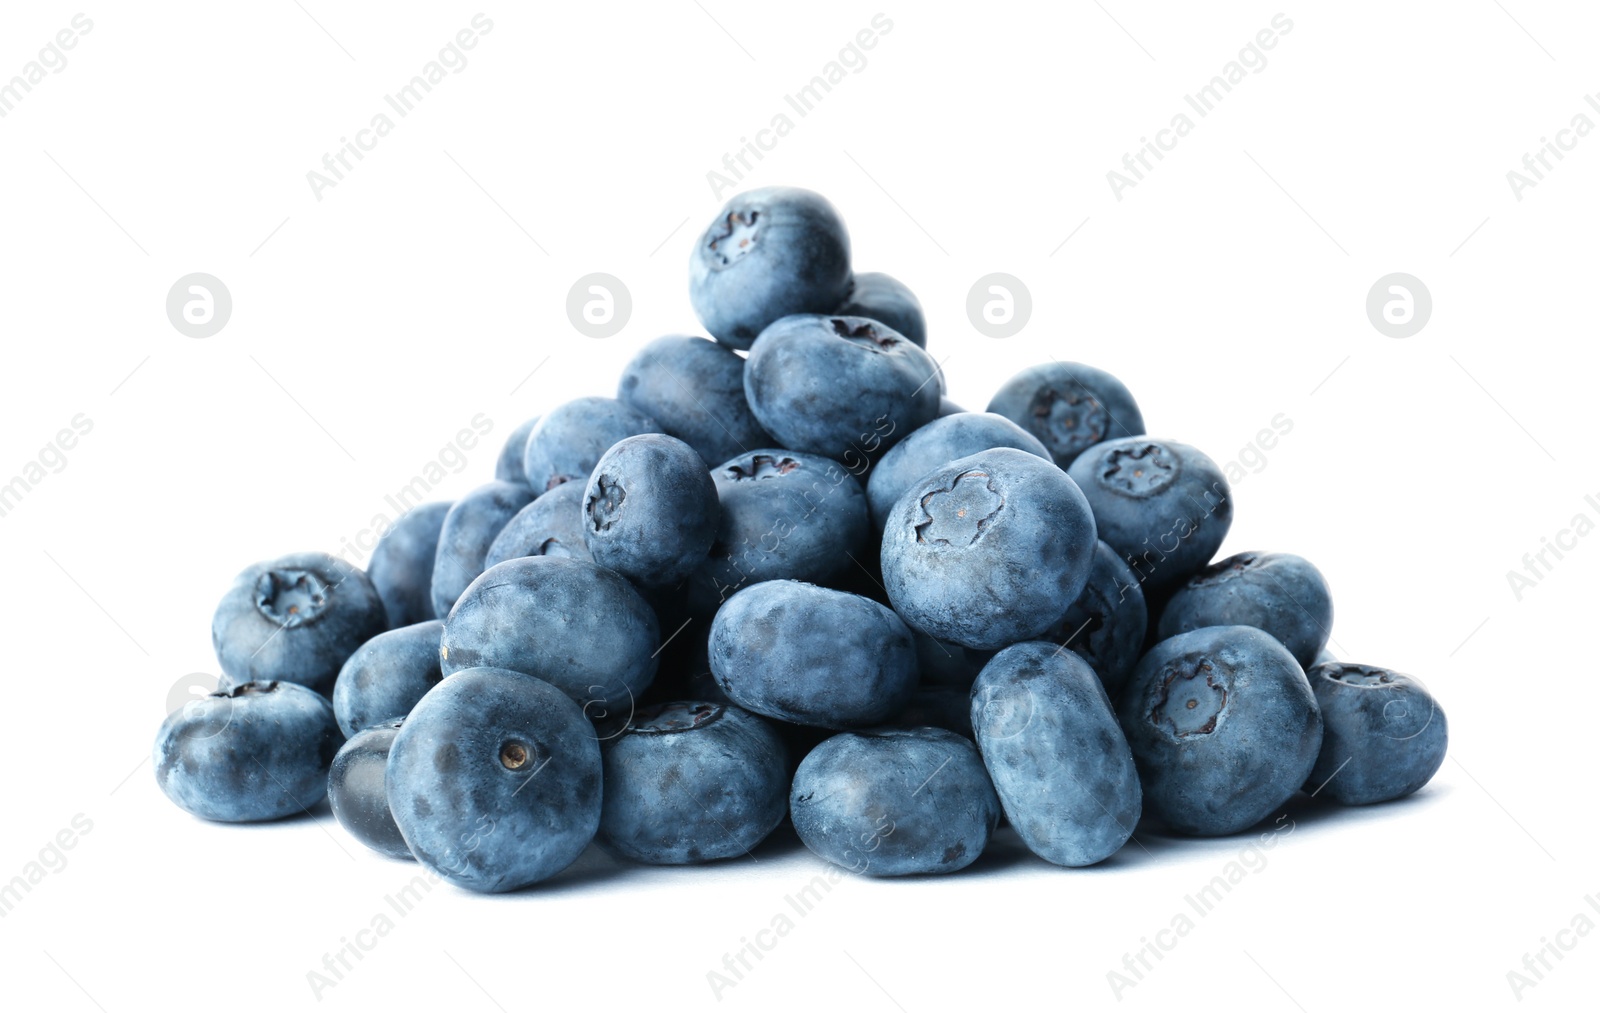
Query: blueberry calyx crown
1359,675
246,689
1227,569
864,332
761,466
1143,469
291,598
960,513
605,503
1075,418
734,237
679,716
1190,699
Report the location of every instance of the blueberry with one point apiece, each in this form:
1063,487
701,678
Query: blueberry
784,515
650,510
882,298
695,389
1050,740
844,387
494,780
259,751
988,550
1164,506
1223,726
944,707
567,443
692,782
895,802
944,664
551,525
1069,407
469,529
578,626
1106,624
295,619
508,467
356,794
1384,735
1276,592
813,655
387,675
947,406
768,253
401,567
937,444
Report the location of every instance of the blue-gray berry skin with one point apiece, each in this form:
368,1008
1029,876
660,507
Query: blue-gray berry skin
1107,623
295,619
650,510
258,751
895,802
569,440
936,444
1164,506
401,567
508,466
938,707
387,675
695,389
494,780
884,299
812,655
356,793
944,664
1384,735
551,525
785,515
988,550
1060,763
768,253
1273,591
1223,726
1069,406
578,626
847,388
469,529
692,781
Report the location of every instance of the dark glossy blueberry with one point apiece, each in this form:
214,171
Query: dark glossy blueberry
401,567
784,515
944,707
1106,625
387,675
259,751
987,550
494,780
1273,591
508,468
692,782
650,510
1384,735
937,444
768,253
895,802
1050,740
889,302
1164,506
469,529
1069,407
356,793
812,655
695,389
569,441
1223,726
551,525
295,619
578,626
845,387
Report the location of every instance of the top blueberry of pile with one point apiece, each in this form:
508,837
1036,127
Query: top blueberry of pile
779,575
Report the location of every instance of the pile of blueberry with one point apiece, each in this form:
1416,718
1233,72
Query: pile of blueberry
780,575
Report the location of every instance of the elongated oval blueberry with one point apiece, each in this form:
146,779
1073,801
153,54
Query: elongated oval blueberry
695,389
1272,591
1069,406
935,445
1059,761
884,299
1384,735
469,529
401,567
650,510
494,780
259,751
387,675
551,525
813,655
569,440
895,802
1223,726
295,619
356,793
692,782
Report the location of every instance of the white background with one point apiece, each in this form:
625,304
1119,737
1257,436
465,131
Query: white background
369,326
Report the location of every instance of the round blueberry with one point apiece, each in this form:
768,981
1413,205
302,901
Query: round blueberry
650,510
935,445
356,793
1282,594
1069,406
508,467
1384,735
551,525
568,442
387,675
1106,625
401,567
469,529
889,302
695,389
